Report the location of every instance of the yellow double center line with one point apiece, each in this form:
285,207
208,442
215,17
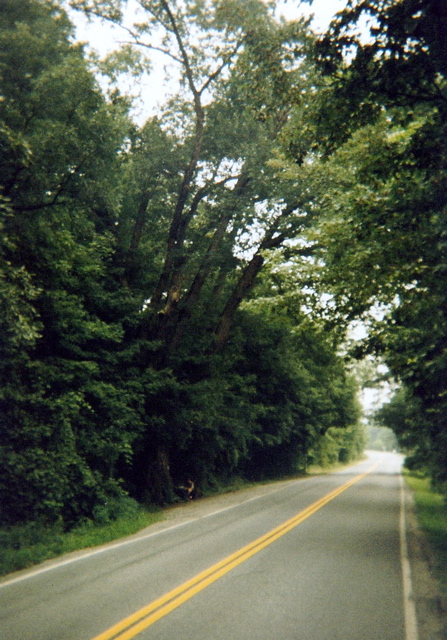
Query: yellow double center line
140,620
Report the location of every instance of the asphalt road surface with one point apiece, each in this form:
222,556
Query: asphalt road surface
316,559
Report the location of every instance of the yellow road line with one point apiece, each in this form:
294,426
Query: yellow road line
143,618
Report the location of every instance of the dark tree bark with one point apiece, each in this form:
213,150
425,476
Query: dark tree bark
159,484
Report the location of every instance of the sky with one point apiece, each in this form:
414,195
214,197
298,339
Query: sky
103,39
323,10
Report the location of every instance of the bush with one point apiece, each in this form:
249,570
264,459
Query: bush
22,546
114,508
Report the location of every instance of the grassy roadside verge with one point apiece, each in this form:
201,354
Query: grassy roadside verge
22,547
26,545
431,511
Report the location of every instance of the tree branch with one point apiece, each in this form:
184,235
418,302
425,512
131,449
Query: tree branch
152,47
220,68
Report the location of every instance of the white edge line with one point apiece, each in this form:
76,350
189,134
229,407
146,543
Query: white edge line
32,573
110,547
411,626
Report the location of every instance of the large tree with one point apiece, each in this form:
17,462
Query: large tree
65,421
206,204
384,235
137,346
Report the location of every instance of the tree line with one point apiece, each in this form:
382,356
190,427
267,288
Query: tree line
177,296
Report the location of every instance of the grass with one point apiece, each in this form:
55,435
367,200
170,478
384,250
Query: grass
431,511
25,545
237,483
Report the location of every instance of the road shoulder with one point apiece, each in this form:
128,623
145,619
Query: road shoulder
431,606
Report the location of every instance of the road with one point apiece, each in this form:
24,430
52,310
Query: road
313,559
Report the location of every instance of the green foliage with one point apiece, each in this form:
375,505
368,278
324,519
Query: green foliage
338,446
403,63
66,421
381,438
22,546
418,434
432,515
19,324
301,389
382,121
136,348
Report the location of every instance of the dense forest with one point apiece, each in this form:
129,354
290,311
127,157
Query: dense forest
178,297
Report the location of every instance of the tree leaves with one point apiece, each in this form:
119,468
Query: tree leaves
132,352
388,222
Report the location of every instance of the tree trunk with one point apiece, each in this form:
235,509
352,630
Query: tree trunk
139,222
159,484
245,283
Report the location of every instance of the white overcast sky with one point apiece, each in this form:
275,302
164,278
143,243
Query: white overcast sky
103,39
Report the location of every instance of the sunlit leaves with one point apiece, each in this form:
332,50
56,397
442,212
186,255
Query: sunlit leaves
109,9
390,223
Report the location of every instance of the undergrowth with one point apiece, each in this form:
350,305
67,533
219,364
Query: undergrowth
22,546
431,510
